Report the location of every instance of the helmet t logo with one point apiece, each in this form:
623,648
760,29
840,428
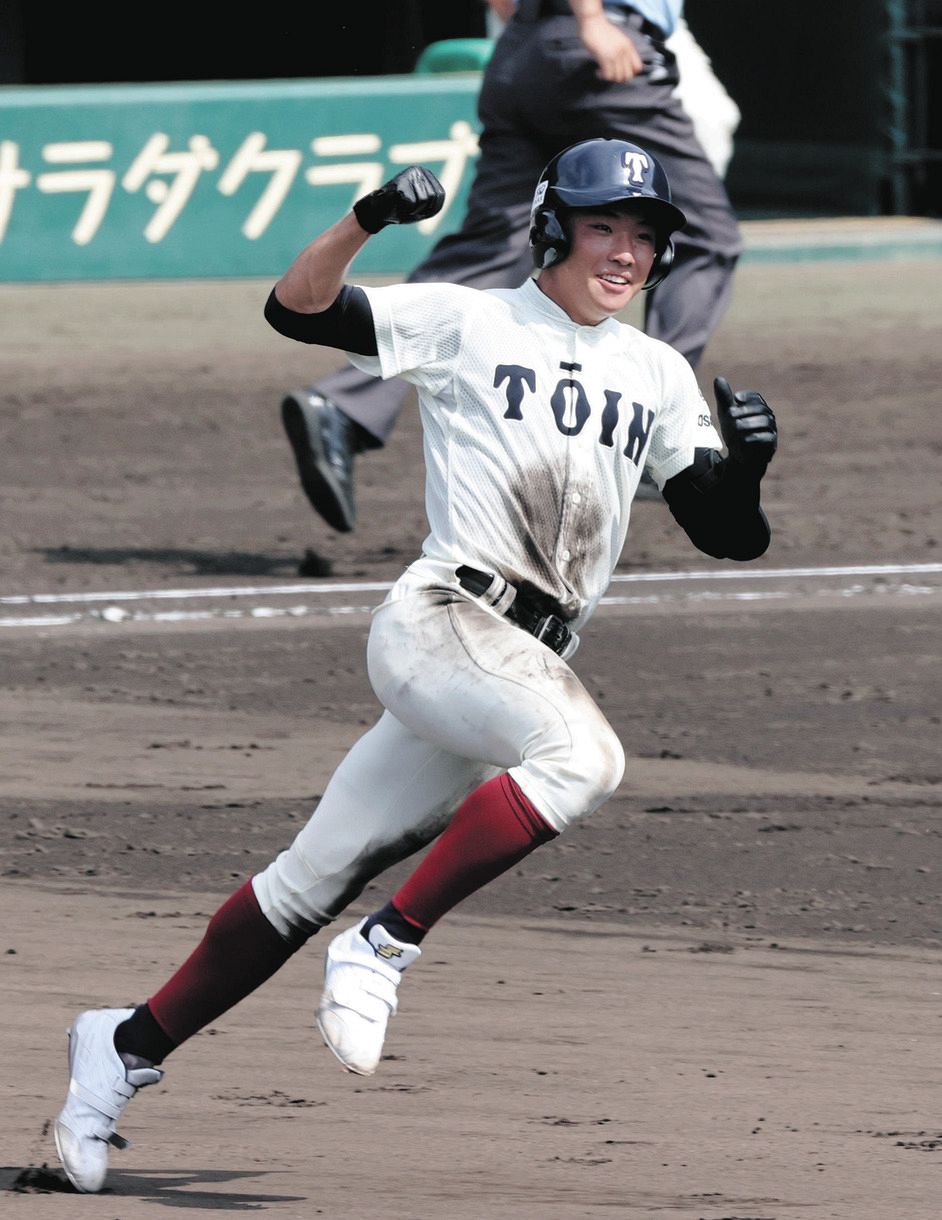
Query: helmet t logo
635,164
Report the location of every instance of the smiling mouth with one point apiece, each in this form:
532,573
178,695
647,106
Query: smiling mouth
617,281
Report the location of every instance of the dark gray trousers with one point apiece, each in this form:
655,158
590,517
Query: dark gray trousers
539,94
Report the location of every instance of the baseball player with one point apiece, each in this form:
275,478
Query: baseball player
540,410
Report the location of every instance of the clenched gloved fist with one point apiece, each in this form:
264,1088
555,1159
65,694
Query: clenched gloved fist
747,424
414,194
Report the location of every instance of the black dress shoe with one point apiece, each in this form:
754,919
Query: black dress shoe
324,443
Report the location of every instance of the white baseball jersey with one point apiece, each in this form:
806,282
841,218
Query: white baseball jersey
536,429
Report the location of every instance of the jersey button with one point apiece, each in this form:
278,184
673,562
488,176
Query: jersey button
576,497
567,554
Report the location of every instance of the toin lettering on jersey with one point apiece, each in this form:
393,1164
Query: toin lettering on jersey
571,407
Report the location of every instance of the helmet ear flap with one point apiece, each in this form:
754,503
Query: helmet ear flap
660,267
548,238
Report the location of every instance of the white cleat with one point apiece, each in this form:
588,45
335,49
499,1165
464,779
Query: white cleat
100,1086
361,979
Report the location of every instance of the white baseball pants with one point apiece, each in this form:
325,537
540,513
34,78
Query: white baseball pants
467,694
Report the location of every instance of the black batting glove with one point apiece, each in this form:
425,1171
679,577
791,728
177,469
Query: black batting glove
747,425
414,194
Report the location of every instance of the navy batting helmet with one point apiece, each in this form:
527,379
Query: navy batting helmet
595,173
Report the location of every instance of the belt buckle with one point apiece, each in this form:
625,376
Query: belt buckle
553,632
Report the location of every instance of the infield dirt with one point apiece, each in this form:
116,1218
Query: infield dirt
718,998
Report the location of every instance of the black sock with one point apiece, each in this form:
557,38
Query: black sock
141,1035
395,924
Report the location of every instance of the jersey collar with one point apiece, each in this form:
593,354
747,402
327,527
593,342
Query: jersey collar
537,299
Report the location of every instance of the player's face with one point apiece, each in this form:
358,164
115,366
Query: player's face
610,258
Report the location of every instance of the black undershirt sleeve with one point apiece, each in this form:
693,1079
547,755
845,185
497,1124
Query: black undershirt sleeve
347,324
716,502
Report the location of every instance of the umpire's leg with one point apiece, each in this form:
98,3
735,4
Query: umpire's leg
685,310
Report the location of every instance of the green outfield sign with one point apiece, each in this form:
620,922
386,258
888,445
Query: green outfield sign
172,181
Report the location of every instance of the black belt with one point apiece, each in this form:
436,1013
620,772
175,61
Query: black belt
549,629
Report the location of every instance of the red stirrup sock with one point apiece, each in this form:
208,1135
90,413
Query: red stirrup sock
238,952
492,829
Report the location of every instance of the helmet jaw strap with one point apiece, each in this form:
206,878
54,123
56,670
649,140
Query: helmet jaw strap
549,239
662,264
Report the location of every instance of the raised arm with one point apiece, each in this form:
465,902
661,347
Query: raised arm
311,302
313,281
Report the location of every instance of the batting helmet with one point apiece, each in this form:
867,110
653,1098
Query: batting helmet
595,173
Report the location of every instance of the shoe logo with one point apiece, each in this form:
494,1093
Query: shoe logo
387,951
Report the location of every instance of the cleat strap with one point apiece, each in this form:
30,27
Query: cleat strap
108,1108
136,1079
359,998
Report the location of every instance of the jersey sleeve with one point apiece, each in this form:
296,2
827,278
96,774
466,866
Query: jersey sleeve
419,332
684,422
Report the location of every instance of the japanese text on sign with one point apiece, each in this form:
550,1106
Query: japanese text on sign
168,176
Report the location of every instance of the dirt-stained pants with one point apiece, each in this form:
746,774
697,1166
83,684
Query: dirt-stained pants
467,694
